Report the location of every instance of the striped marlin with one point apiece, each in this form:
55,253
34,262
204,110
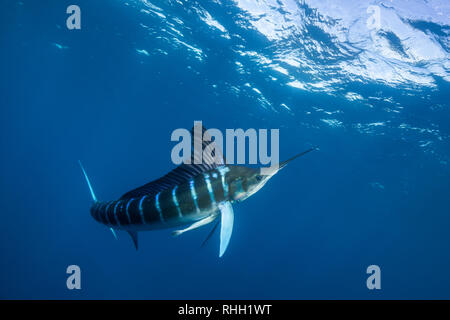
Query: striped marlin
191,195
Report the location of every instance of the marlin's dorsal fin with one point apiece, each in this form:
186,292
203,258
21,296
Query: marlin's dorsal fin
180,174
134,236
206,141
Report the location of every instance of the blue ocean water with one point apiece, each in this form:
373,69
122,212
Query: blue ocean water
376,101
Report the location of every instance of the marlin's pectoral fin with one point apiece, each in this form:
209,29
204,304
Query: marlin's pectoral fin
134,236
196,225
226,227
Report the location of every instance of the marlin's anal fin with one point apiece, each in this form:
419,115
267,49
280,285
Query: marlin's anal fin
196,225
134,236
226,227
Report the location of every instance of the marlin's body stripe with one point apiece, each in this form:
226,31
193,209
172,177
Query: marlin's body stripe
106,211
100,212
194,195
158,207
126,210
115,213
210,190
141,211
175,201
223,171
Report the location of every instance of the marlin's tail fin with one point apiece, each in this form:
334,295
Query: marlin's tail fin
88,182
92,192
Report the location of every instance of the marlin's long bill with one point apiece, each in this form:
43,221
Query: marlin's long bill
186,198
284,163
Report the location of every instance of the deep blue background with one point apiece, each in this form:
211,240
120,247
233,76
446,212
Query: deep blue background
310,233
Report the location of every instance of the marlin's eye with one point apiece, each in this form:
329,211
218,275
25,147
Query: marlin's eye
258,178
